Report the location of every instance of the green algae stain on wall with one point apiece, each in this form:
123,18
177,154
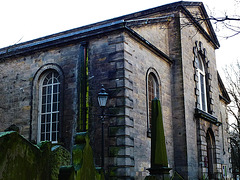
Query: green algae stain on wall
84,89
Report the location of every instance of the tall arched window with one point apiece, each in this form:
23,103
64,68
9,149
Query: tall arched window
48,112
153,92
211,153
200,70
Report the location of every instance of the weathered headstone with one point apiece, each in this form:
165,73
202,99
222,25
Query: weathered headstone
82,161
20,159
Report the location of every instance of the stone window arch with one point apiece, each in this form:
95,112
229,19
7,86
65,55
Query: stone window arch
47,104
153,91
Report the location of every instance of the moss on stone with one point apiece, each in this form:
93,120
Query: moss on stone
66,173
158,146
82,159
113,171
113,131
20,159
59,157
114,151
84,91
87,170
82,155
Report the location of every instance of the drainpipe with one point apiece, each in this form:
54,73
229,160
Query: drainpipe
83,88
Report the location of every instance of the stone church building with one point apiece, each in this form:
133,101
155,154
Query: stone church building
49,88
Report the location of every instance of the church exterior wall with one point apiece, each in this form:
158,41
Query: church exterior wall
17,76
143,61
121,55
197,128
121,64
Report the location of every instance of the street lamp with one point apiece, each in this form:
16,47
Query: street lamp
102,97
102,101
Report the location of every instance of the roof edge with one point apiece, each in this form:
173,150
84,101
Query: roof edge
224,95
150,45
79,33
58,39
213,39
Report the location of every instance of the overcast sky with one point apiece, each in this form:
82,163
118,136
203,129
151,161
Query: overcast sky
23,20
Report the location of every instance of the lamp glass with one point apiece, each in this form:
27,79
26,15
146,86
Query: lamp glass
102,100
102,97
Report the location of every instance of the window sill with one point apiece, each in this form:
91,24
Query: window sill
206,116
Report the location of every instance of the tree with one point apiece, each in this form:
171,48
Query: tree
226,20
232,73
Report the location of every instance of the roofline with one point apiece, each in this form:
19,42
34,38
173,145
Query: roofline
150,45
59,39
210,24
225,95
214,40
42,43
81,33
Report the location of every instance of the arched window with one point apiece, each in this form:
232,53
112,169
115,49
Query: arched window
48,109
211,153
200,70
152,92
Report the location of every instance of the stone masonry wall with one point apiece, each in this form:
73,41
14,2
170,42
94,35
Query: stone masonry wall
156,33
197,130
224,139
178,112
107,66
140,60
121,64
16,79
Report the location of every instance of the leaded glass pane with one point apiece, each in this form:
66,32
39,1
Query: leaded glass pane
44,91
54,127
42,136
54,136
48,117
49,98
55,88
43,108
48,137
49,89
48,107
55,97
45,81
43,119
